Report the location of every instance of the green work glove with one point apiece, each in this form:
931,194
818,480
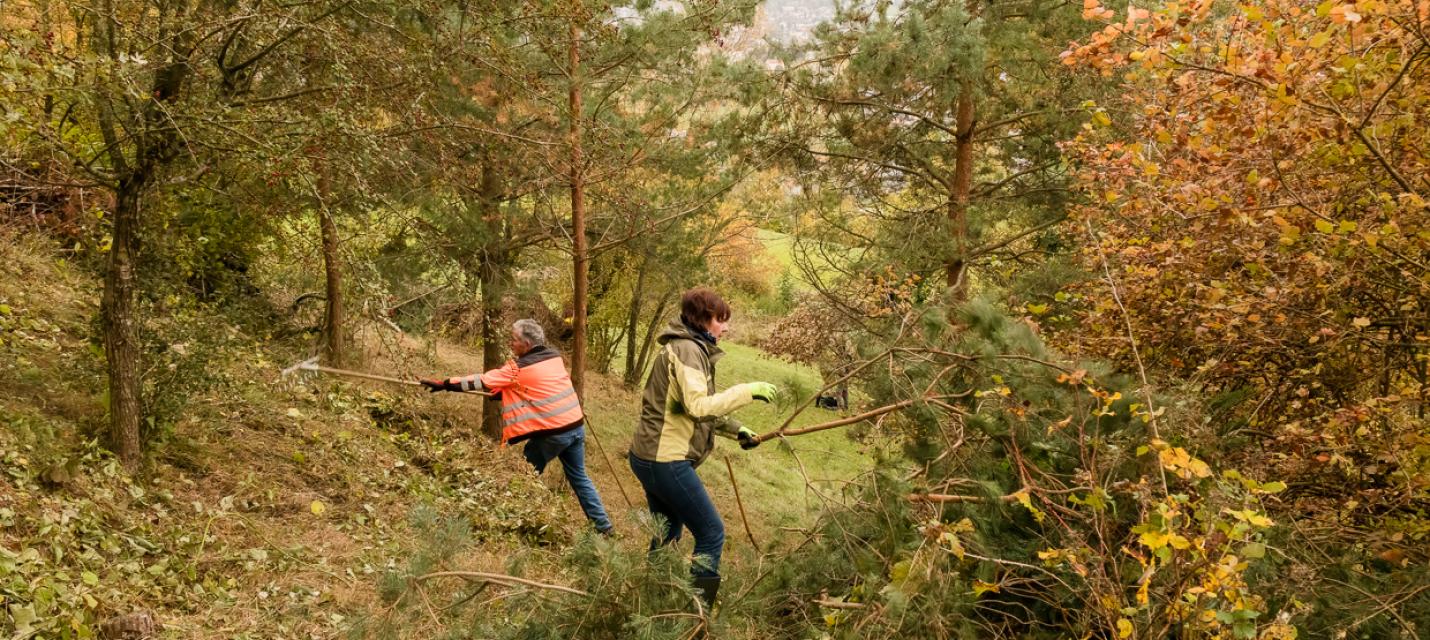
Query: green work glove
763,391
748,439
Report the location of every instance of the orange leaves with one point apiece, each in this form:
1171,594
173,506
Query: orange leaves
1259,213
1345,13
1093,10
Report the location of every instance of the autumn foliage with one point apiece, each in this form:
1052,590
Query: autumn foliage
1256,226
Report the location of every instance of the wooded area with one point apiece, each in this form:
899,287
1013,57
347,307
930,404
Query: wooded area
1087,321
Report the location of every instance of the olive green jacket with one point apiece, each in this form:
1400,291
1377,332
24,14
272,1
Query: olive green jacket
680,411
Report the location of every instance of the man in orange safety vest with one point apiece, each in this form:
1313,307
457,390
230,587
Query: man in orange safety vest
539,406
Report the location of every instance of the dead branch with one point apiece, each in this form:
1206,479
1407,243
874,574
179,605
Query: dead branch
501,579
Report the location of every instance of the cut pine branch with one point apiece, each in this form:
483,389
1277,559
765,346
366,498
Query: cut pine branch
500,579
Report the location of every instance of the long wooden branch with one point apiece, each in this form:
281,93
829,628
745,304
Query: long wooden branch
944,498
501,579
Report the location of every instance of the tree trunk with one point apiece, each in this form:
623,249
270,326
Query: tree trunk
581,261
120,325
956,267
632,375
334,347
493,273
651,329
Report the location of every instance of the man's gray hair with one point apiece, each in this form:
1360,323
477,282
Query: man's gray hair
530,331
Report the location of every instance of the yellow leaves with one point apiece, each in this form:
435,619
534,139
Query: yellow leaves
1278,631
1272,487
1250,517
1340,227
1036,309
980,587
900,571
1253,12
948,534
317,507
1027,501
1319,40
1153,540
1101,119
1124,628
1178,461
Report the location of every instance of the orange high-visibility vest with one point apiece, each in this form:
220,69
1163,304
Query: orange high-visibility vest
535,398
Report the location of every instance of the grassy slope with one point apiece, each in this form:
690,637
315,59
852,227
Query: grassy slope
277,504
770,480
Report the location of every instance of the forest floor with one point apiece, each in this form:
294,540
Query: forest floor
271,506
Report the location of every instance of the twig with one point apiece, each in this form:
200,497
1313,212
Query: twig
944,498
741,503
835,604
393,309
609,465
1132,343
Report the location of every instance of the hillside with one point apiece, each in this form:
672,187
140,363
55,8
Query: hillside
275,504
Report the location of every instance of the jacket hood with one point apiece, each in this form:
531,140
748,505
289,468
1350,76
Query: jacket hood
676,330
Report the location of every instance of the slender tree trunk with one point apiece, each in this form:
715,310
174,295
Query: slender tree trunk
493,273
957,267
334,342
650,331
120,325
632,375
581,261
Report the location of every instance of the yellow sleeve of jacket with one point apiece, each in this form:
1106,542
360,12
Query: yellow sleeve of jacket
695,393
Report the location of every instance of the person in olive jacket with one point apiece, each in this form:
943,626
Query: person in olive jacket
680,414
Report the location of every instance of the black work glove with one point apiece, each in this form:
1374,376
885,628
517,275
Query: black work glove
747,438
434,386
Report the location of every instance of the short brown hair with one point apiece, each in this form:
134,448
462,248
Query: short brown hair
699,305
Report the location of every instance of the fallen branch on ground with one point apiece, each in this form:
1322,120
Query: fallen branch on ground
501,579
944,498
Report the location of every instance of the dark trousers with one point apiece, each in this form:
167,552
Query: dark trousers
677,497
570,448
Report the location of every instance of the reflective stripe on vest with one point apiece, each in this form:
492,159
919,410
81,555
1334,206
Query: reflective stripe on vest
541,400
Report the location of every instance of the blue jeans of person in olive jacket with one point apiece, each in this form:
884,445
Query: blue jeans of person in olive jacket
570,448
676,494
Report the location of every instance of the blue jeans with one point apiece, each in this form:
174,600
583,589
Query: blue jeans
676,495
570,447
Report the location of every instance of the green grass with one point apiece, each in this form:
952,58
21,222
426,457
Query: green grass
770,476
780,246
772,485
